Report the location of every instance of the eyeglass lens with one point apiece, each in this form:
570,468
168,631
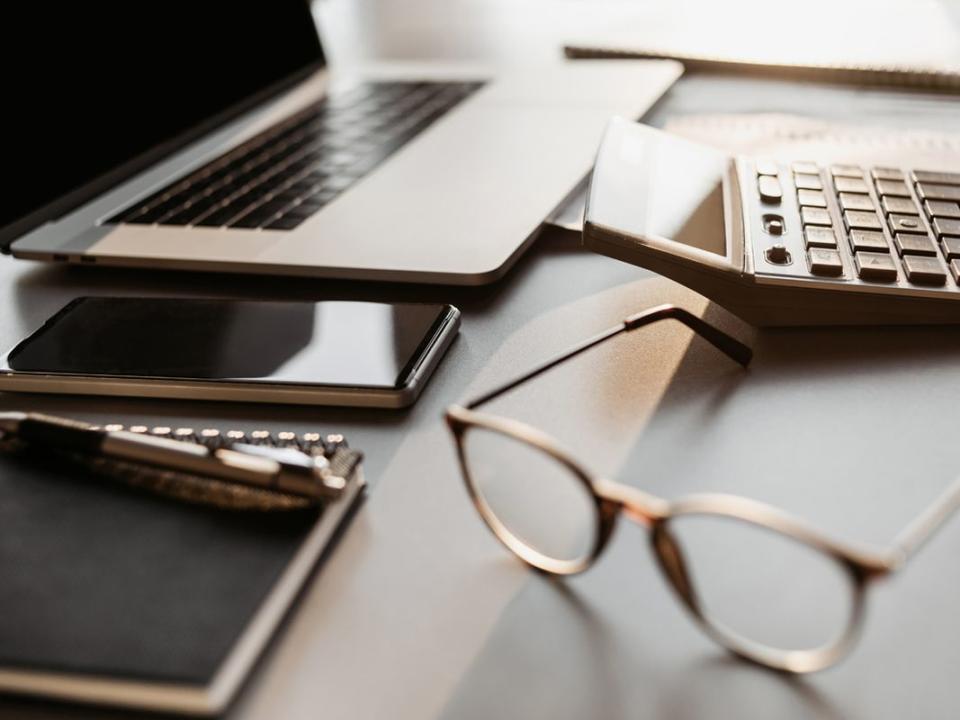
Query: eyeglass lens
538,499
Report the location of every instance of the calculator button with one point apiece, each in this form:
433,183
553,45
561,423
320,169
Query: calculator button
865,240
773,224
928,191
941,208
850,171
950,247
946,226
910,244
923,270
806,168
807,182
820,237
903,206
811,198
874,266
857,220
851,185
851,201
943,178
886,174
906,223
892,187
778,254
767,167
826,262
769,188
815,216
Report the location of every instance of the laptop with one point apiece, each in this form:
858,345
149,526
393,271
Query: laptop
217,138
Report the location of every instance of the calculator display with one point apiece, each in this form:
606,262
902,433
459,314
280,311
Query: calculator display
356,344
664,187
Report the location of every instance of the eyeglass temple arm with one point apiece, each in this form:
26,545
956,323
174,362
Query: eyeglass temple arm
730,346
918,532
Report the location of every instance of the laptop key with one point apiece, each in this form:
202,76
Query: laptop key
284,222
185,216
955,270
922,270
347,134
261,214
338,182
219,217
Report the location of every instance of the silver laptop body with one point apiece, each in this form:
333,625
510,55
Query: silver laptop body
456,203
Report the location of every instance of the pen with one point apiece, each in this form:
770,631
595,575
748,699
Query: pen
282,469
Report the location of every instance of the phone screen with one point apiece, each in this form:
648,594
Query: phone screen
357,344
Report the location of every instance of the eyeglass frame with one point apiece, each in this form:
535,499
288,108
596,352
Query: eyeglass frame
611,499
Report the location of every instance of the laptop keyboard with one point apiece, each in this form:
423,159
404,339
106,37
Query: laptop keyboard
281,177
876,224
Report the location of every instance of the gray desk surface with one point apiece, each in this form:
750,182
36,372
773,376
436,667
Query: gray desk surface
420,614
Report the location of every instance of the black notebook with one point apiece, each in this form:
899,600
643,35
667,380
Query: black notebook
113,595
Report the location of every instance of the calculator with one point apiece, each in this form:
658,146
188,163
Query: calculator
780,243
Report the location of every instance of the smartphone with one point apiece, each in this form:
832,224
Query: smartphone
305,353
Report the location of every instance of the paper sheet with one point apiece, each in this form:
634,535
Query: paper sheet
791,137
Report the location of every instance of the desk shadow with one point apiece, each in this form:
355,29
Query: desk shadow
842,370
552,655
549,656
36,285
724,687
783,355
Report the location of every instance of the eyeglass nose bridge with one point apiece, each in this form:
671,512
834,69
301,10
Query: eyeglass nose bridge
640,507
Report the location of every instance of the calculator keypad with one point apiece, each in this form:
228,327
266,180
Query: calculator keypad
878,225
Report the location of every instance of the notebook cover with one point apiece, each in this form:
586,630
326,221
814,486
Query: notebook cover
103,581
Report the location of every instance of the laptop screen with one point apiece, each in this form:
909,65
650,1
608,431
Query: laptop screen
95,91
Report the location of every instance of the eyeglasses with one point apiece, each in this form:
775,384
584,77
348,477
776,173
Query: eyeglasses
766,586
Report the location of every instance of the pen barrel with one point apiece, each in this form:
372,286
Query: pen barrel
223,464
